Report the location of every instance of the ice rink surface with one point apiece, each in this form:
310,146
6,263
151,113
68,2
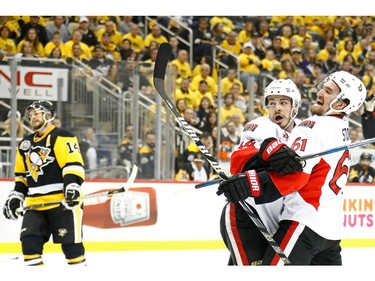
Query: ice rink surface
180,265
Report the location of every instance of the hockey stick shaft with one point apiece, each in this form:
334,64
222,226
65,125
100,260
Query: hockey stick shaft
159,83
87,196
307,157
340,148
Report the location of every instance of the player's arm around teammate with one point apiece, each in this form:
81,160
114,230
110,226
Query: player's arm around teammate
241,236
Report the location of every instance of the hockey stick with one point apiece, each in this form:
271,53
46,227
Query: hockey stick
131,179
159,83
307,157
9,259
340,148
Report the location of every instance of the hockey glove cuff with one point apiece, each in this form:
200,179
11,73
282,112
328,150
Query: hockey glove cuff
15,200
241,186
280,157
72,192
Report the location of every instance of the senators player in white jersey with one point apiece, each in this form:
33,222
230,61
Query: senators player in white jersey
311,221
241,236
49,168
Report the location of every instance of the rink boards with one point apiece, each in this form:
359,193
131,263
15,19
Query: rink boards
175,216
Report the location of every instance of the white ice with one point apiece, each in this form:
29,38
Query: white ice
178,265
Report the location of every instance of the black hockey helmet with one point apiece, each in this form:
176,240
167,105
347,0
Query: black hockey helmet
44,106
365,156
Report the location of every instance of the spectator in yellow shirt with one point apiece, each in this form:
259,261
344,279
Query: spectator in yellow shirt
228,24
184,92
137,42
245,34
233,46
110,49
183,69
202,92
348,49
110,28
228,109
12,24
324,53
301,35
204,75
270,63
361,49
249,63
229,80
208,60
155,35
56,42
32,37
77,38
7,44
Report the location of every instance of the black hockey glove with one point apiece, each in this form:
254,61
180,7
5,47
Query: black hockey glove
72,192
241,186
15,200
280,157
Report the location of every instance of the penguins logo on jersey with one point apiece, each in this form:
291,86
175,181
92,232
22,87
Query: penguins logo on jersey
62,232
37,158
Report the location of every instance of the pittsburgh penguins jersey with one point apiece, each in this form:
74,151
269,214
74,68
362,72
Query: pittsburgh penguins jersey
46,164
146,160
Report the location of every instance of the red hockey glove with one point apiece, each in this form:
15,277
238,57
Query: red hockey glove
241,186
280,157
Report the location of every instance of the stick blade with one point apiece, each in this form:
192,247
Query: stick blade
133,174
162,59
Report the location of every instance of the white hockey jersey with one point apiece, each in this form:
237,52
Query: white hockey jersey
318,203
254,133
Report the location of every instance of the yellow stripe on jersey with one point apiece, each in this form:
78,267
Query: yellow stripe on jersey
22,180
67,151
78,218
74,170
45,199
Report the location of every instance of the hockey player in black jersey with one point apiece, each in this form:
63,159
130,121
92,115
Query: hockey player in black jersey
48,168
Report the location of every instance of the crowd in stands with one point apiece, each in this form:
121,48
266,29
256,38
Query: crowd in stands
303,48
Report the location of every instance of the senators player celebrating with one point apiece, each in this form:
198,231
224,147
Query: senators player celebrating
311,221
241,236
49,167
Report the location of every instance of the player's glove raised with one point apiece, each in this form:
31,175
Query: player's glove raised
280,157
15,200
72,192
241,186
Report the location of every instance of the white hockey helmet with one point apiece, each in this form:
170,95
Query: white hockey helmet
283,87
352,89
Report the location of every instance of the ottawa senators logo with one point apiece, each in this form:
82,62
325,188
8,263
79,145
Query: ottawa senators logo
37,158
